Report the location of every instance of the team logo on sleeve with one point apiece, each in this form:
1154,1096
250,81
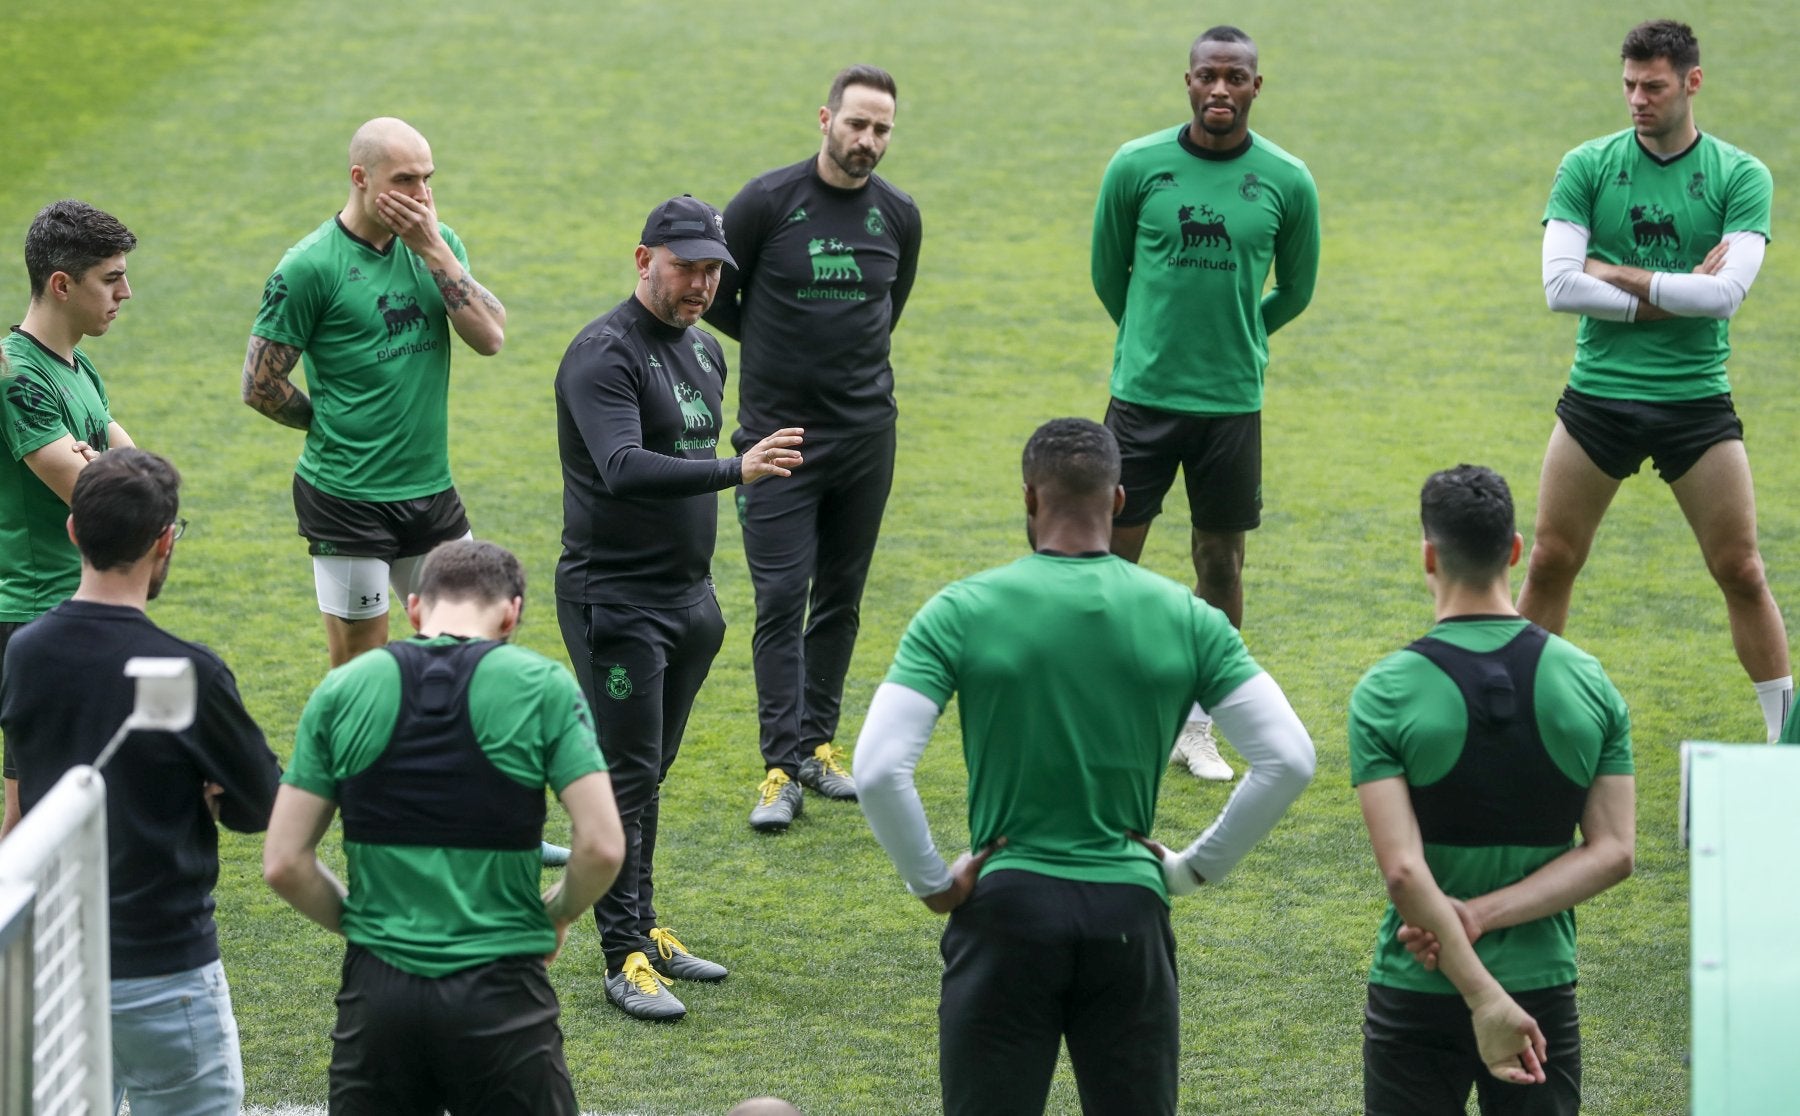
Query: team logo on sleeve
618,683
275,291
874,223
1250,188
1696,186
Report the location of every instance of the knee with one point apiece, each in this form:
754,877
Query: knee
1739,571
1218,563
1554,558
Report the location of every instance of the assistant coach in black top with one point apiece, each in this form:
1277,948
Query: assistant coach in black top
826,254
174,1040
638,413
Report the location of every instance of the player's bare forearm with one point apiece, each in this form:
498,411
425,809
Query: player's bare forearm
267,389
476,315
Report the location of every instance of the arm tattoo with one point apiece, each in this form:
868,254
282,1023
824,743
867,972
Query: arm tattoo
267,367
456,292
464,291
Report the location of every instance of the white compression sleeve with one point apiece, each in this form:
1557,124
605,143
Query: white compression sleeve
1570,290
894,735
1712,296
1264,728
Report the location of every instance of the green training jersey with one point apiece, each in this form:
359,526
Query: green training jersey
1183,242
1073,676
432,911
42,398
1408,720
377,343
1660,217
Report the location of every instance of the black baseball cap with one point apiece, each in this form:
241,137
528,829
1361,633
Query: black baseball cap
689,228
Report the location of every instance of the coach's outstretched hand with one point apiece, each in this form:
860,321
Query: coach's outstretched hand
1510,1041
774,456
963,875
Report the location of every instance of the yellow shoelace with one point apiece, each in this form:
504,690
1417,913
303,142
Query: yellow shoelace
638,971
667,943
829,756
772,784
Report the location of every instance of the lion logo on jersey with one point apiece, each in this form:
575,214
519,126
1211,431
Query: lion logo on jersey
1653,227
1206,232
694,412
401,313
833,259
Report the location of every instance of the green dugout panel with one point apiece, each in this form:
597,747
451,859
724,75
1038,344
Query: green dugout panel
1743,829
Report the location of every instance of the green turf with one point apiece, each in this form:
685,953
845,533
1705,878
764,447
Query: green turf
217,132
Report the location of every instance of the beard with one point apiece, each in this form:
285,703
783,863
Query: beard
161,575
856,164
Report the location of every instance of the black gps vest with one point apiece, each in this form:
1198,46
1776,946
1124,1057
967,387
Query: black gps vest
433,785
1504,789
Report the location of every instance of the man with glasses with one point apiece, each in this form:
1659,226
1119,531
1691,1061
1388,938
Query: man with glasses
174,1042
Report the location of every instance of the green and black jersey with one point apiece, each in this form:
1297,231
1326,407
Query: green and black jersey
1659,216
1409,720
1066,771
822,276
1184,239
42,398
377,342
431,911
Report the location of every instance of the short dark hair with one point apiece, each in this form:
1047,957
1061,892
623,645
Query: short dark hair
71,237
1075,456
471,570
1223,33
860,74
123,501
1467,513
1662,38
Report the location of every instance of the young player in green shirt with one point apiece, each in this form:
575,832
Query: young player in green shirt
1476,753
1073,671
1653,235
1189,222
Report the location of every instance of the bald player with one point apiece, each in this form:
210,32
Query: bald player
371,297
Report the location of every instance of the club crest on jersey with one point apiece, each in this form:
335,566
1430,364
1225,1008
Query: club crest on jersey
1696,186
618,683
400,312
1250,188
694,413
874,223
706,364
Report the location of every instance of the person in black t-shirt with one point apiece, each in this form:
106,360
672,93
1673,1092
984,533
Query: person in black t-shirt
826,254
638,405
174,1044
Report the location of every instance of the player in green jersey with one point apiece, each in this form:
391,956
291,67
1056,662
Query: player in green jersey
54,413
1189,222
437,751
1654,235
1476,753
1073,671
371,297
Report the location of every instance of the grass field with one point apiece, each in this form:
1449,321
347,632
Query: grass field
216,130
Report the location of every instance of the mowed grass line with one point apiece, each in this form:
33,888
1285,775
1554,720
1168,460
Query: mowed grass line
1433,133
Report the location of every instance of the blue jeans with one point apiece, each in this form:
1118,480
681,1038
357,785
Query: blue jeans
175,1044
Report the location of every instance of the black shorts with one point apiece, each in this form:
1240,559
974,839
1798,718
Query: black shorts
7,629
1617,434
1220,459
1420,1057
485,1039
335,527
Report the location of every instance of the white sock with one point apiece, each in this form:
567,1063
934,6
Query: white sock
1199,716
1775,696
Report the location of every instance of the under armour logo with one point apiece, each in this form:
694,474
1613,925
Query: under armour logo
375,600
